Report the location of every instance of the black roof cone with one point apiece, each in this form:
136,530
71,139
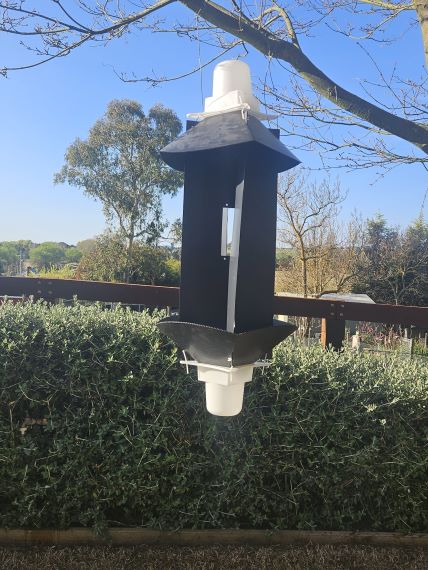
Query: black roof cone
229,130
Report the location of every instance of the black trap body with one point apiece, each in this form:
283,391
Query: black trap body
230,161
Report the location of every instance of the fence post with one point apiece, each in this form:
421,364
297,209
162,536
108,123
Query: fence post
332,333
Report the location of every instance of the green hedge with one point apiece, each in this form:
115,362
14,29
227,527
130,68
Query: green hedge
325,441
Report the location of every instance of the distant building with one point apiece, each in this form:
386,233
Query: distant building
348,297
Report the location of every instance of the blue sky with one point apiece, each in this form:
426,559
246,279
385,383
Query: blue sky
43,110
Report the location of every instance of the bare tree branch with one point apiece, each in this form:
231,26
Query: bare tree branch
269,44
273,29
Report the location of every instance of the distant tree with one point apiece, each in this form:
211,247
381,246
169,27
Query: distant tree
174,237
23,246
9,257
73,254
106,261
86,245
322,253
13,254
416,236
172,272
47,254
155,266
119,164
284,256
394,269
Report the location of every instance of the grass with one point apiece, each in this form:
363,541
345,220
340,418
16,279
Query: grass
214,557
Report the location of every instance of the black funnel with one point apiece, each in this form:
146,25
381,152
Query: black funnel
222,348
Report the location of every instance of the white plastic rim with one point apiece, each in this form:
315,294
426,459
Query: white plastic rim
224,400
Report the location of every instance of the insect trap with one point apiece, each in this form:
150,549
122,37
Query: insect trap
231,163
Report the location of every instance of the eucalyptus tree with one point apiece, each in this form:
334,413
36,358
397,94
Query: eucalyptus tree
119,164
291,35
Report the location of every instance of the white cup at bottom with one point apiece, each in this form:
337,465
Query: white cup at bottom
224,400
224,387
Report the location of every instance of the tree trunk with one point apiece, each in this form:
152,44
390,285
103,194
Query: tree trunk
421,7
306,320
129,251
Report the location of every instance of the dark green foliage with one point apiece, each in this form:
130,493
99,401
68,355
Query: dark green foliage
394,268
325,441
107,261
11,253
9,256
47,254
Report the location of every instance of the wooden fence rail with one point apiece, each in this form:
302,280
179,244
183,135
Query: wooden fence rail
188,537
333,313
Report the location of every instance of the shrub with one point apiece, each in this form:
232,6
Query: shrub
67,271
100,426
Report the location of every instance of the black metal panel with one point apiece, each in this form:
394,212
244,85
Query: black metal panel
222,348
210,181
256,267
216,154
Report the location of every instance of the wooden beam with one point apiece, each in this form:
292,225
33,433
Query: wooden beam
369,312
301,307
391,314
152,296
136,536
332,333
51,289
